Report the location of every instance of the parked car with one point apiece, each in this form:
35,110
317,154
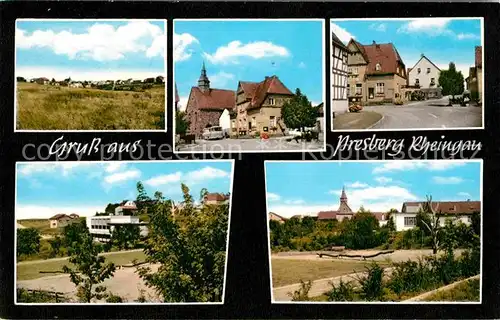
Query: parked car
214,132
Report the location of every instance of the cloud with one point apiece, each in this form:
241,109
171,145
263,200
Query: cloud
302,65
295,202
114,166
341,33
273,196
403,165
182,43
380,27
357,184
122,176
468,36
100,42
58,73
383,180
465,194
429,26
63,168
221,79
207,173
164,179
183,103
255,50
447,180
45,212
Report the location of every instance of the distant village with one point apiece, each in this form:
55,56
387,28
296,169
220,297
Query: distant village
101,84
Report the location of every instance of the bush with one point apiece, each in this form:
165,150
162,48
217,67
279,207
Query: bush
372,283
344,291
303,293
411,276
114,299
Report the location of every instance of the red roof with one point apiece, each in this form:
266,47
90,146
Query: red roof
214,99
451,207
58,216
270,85
327,215
479,56
381,216
249,88
384,54
216,197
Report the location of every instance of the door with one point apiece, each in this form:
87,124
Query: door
371,93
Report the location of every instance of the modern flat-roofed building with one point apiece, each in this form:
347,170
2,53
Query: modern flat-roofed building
101,227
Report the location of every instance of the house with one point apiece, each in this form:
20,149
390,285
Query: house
474,82
225,121
101,227
320,119
216,198
205,105
76,84
61,220
126,207
376,72
41,80
455,210
425,76
275,217
258,107
340,56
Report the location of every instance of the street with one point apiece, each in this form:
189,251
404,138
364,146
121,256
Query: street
242,145
423,114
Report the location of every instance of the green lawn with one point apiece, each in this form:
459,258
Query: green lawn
290,271
465,291
29,271
42,225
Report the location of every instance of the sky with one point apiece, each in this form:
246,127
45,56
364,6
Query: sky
90,49
442,40
48,188
305,188
248,51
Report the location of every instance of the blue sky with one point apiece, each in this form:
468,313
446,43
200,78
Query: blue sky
90,49
44,189
309,187
249,51
442,40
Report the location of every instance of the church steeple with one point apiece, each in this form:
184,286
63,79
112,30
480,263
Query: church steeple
203,82
343,196
344,207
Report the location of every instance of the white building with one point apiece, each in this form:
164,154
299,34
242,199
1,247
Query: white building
425,75
101,227
225,121
339,76
126,205
454,210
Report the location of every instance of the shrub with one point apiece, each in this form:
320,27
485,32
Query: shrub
114,299
411,276
372,282
469,263
445,268
302,294
344,291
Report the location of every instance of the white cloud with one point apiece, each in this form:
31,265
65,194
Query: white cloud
429,26
380,27
114,166
164,179
447,180
64,168
302,65
60,74
221,79
183,103
465,194
256,50
122,176
207,173
467,36
383,180
45,212
357,184
403,165
341,33
273,196
182,44
295,202
100,42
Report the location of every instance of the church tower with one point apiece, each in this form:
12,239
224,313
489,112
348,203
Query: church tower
344,207
203,82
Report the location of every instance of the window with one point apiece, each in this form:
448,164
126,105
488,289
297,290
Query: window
355,70
271,101
417,82
410,221
349,90
254,122
349,70
380,88
418,70
433,81
359,88
378,67
428,70
272,121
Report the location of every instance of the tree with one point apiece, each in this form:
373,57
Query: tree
56,244
476,223
451,81
190,249
142,199
73,233
68,80
89,269
20,79
125,236
28,241
110,208
432,224
159,80
299,113
203,193
181,123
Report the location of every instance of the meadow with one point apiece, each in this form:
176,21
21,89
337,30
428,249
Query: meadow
46,107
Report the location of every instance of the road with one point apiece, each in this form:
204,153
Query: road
424,115
239,145
66,258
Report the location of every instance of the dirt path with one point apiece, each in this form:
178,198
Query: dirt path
66,258
125,283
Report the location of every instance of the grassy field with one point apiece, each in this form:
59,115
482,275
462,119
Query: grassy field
42,225
45,107
29,271
290,271
466,291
